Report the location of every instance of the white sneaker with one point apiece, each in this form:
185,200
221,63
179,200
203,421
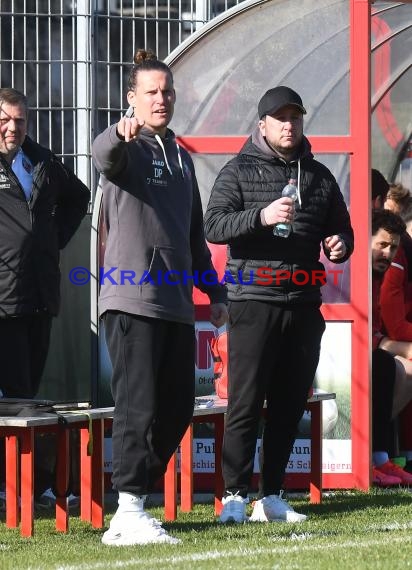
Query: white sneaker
234,509
274,508
136,527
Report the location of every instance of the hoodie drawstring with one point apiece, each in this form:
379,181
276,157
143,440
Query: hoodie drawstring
179,158
299,199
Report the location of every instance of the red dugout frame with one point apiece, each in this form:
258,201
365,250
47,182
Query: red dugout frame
357,145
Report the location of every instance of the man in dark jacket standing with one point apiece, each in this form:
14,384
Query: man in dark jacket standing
275,323
155,249
41,205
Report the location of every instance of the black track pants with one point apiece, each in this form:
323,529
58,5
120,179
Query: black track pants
273,354
153,390
383,382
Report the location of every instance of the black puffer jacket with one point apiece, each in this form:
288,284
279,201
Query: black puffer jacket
246,185
32,233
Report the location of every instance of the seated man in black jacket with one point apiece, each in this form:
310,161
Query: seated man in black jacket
42,205
275,323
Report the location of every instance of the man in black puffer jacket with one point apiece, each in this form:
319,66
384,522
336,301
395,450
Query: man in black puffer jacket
275,323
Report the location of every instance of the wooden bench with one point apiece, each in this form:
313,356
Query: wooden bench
215,414
19,435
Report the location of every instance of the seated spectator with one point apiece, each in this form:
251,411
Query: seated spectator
380,188
391,373
396,302
407,217
397,199
396,290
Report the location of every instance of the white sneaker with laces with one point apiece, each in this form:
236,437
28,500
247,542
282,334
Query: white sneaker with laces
136,526
275,508
234,509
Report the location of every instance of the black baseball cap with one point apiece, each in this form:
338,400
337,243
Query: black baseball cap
279,97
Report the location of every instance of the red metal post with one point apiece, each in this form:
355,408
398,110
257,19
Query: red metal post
360,206
219,483
85,476
97,497
27,480
62,479
186,471
357,144
315,486
170,489
12,479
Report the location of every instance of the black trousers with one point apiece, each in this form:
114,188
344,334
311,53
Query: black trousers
24,343
153,389
383,382
273,354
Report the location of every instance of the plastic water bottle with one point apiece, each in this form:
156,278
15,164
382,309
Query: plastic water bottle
283,229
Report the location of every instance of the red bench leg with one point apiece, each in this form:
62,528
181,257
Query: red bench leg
97,497
186,471
187,465
316,452
62,480
219,484
85,476
170,490
12,482
27,481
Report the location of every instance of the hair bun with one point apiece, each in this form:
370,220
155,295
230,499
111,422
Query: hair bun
143,55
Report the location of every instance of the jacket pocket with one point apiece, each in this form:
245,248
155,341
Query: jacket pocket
124,323
236,310
166,280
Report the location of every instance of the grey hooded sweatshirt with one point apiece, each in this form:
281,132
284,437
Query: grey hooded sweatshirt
155,250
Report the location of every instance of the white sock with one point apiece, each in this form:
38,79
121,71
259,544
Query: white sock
379,458
129,502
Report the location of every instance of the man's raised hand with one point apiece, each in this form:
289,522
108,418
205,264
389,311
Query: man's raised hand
129,128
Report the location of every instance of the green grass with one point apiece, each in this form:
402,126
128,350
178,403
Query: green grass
350,530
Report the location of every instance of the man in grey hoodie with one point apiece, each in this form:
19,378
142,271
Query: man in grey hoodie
155,252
